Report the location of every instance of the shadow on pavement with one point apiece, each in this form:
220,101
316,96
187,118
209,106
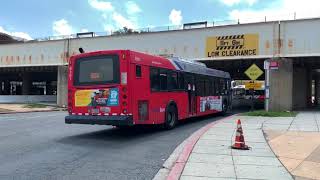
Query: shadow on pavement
126,135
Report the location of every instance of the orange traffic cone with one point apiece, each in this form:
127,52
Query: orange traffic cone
239,139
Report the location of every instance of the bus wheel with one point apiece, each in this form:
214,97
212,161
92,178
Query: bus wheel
171,118
224,108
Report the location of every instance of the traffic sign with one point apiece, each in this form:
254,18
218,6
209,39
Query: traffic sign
253,72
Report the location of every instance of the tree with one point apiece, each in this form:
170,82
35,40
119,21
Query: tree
125,30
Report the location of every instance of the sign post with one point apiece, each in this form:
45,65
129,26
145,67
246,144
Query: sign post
267,82
253,72
269,65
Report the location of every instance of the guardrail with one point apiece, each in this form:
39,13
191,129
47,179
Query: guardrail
193,25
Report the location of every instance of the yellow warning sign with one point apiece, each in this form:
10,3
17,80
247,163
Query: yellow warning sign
253,85
253,72
233,45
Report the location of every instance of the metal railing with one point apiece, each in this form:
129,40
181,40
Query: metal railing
215,23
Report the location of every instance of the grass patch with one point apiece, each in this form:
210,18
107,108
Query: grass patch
271,113
34,106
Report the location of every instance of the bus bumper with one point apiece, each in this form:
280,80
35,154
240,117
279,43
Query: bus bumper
124,120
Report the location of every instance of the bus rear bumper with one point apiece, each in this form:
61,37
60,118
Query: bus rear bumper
124,120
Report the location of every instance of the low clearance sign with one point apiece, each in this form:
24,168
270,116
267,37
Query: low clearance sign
233,45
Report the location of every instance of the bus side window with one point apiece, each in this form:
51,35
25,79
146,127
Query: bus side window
172,80
163,80
154,79
217,86
138,71
207,87
200,84
181,81
222,86
213,90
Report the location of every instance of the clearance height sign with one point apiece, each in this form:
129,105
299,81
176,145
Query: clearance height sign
233,45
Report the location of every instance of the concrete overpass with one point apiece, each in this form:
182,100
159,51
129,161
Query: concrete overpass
295,44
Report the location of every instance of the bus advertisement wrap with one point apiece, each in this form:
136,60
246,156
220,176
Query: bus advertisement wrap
233,45
210,103
97,97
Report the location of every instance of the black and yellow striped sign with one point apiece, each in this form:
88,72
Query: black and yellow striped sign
233,45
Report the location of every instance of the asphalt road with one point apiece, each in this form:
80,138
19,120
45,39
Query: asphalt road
40,146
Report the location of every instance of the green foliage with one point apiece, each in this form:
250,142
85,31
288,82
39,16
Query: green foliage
270,113
34,106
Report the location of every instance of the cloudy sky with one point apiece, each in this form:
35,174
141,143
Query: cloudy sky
42,18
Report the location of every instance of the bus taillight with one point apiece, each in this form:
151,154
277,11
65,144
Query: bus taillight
143,109
124,78
70,100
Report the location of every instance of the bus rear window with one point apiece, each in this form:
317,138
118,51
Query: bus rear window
97,70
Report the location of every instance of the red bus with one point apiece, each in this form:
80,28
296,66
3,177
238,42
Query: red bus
125,88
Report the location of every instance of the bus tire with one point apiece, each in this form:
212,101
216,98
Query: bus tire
171,118
224,108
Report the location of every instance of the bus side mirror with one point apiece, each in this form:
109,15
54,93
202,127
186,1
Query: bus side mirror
81,50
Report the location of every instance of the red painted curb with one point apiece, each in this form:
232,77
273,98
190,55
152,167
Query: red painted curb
180,163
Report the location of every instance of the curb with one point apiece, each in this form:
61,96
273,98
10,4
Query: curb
19,112
180,163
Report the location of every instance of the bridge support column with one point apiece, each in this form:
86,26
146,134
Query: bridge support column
281,84
309,87
317,89
7,87
62,86
26,84
301,88
1,91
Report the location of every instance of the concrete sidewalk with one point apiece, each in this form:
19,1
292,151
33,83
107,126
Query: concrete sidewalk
212,157
297,143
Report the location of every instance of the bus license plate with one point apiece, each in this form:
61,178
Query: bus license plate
95,111
105,109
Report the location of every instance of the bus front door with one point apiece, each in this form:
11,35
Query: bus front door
191,95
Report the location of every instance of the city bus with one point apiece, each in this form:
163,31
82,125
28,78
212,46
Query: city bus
126,88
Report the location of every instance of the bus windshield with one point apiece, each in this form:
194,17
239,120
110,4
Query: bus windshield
96,70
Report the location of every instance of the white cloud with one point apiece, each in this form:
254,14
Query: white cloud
84,30
101,5
22,35
112,19
279,11
61,27
132,8
230,2
175,17
122,21
234,2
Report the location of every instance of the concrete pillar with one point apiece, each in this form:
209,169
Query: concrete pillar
281,87
48,88
300,88
26,84
317,89
62,86
316,81
1,91
309,88
6,87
